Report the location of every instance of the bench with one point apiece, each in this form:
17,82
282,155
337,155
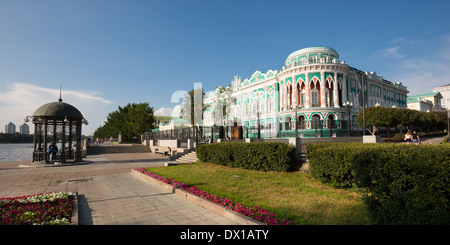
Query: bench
162,150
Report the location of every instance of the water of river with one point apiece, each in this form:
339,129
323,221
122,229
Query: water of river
16,152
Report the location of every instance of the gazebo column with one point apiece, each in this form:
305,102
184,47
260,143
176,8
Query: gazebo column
44,144
63,143
54,132
34,138
70,140
78,142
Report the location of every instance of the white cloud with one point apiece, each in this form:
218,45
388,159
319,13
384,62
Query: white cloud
22,99
393,52
169,112
163,111
419,71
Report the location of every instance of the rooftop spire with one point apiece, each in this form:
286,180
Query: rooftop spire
60,88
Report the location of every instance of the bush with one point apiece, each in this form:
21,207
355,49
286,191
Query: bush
445,140
406,184
332,162
267,156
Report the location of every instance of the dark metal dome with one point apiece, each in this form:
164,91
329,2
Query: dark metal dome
58,109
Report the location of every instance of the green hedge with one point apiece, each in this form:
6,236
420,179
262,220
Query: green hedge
406,184
268,156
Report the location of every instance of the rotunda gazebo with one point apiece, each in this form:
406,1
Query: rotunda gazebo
60,123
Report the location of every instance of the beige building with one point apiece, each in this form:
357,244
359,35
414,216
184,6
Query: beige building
426,102
445,92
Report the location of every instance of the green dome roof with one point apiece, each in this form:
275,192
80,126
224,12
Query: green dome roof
312,50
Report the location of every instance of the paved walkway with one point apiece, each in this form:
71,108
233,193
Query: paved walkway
108,193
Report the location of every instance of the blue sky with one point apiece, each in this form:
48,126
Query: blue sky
107,53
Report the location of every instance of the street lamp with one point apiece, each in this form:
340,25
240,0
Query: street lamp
259,125
361,83
296,122
448,125
349,106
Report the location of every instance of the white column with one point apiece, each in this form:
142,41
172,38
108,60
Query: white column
322,90
294,92
336,91
308,91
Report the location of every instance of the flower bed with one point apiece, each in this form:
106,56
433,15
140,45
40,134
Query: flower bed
256,212
39,209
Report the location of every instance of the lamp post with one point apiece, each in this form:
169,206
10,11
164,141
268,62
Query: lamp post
259,125
349,106
448,125
361,83
296,123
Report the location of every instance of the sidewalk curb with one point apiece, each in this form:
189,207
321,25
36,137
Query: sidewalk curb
74,219
218,209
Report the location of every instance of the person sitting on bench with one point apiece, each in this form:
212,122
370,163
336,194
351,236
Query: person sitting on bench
168,152
52,150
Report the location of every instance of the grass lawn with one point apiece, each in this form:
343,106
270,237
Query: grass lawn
294,196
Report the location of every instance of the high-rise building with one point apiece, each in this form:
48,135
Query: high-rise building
10,128
24,129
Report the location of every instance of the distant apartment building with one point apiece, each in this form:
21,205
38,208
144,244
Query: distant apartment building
24,129
445,92
10,128
426,102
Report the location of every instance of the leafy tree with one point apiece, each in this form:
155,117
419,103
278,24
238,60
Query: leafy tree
410,118
376,117
130,120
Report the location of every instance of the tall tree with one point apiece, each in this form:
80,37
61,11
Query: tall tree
378,117
130,120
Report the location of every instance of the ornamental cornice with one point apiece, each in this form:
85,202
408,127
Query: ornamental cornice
339,68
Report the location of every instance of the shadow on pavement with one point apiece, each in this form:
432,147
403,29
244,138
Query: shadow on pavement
84,212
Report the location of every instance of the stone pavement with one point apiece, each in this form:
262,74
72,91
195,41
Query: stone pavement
108,193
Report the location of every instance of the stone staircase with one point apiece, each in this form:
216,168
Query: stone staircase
186,158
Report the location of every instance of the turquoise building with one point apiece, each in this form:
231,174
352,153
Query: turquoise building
313,88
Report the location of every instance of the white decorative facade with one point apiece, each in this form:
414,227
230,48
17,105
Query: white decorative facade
314,88
426,102
445,92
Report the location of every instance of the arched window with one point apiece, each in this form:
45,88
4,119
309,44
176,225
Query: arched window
329,99
315,92
301,122
289,91
331,121
262,106
287,123
315,122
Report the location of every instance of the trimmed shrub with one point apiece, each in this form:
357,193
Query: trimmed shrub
406,184
267,156
332,162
